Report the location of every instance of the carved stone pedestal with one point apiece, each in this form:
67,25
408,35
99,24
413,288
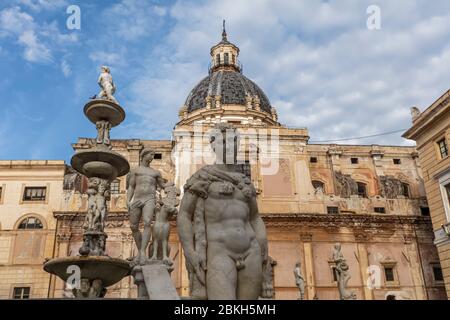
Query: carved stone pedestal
93,243
154,282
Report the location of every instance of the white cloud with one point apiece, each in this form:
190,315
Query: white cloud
39,41
38,5
107,58
34,50
133,19
66,69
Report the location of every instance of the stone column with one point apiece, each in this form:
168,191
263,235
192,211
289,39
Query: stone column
363,267
415,267
61,250
310,291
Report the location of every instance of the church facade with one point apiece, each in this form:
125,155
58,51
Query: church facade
368,198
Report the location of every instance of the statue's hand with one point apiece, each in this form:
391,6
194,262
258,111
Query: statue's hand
198,264
135,204
264,252
267,289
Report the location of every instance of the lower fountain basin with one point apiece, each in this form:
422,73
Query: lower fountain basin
109,270
102,163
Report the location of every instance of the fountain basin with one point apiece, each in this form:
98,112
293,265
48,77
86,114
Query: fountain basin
99,109
102,163
109,270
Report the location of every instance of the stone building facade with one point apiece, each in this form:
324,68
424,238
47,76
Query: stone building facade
371,199
31,191
431,131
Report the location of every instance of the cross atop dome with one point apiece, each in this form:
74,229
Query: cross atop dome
224,55
224,33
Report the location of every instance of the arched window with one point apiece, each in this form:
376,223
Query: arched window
362,189
226,59
217,59
318,185
31,223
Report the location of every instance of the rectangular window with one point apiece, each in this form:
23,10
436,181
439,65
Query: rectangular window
397,161
447,188
158,156
405,190
21,293
226,58
217,58
437,273
333,210
380,209
443,149
362,190
425,211
34,193
115,187
354,160
389,274
1,194
313,159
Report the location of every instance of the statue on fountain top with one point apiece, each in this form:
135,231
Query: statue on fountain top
107,86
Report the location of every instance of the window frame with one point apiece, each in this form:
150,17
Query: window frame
366,194
27,218
397,161
113,190
390,265
439,148
444,181
13,292
2,193
433,266
31,200
354,160
333,207
380,212
406,187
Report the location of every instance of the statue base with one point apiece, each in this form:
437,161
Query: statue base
94,243
153,281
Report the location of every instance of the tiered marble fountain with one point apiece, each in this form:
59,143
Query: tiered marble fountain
101,166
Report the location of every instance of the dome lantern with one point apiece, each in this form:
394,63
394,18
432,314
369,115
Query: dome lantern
224,55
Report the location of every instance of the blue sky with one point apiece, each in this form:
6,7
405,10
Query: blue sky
316,60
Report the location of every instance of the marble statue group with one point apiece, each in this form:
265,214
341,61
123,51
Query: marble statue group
144,203
222,234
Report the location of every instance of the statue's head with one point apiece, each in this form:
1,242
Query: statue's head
337,246
224,139
84,285
147,156
298,264
105,69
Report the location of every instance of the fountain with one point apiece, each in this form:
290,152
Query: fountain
101,166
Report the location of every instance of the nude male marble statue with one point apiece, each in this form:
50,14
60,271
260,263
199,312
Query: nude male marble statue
106,84
220,229
142,184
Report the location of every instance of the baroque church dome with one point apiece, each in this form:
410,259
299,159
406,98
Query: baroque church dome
233,88
226,95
